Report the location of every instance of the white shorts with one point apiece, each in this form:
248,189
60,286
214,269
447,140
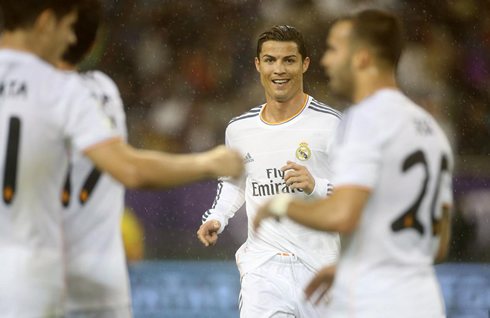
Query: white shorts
121,312
276,289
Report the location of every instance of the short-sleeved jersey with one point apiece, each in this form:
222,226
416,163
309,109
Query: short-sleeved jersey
43,112
394,148
96,268
305,139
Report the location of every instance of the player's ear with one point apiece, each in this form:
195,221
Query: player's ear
362,58
46,21
257,64
306,64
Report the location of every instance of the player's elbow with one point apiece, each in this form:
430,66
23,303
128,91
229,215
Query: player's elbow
347,221
130,178
133,182
346,226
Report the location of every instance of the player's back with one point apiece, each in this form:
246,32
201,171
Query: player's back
96,267
38,118
387,261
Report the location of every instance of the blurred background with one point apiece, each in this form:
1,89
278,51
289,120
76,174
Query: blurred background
186,67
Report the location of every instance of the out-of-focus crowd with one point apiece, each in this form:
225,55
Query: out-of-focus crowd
185,68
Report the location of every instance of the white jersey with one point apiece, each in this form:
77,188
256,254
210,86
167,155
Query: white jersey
43,112
305,139
396,149
96,267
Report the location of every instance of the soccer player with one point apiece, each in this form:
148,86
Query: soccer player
392,173
287,147
96,271
43,114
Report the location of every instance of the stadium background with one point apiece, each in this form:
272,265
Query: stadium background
185,68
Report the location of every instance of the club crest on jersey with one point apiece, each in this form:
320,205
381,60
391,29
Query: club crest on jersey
303,153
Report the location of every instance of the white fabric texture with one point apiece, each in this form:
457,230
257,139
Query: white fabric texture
394,148
96,267
306,139
54,110
276,289
266,148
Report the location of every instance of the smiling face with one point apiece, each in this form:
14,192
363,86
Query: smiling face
281,70
337,60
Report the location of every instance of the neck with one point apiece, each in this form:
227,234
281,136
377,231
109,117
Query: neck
65,66
277,111
22,40
371,81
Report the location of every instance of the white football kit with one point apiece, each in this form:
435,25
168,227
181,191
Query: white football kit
305,139
96,267
394,148
43,112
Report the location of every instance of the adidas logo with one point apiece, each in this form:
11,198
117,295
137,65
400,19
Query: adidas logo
248,158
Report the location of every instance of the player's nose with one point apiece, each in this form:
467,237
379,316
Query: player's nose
279,68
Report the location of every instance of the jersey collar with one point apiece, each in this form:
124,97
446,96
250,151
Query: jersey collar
287,119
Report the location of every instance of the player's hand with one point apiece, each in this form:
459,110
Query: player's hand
298,177
224,162
263,213
208,232
321,283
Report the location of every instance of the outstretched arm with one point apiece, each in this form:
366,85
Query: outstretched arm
152,169
339,213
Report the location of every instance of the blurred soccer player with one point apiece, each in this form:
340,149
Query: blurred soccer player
43,114
96,271
392,168
286,144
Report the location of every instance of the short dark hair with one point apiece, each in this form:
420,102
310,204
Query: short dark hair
283,33
89,16
382,30
19,14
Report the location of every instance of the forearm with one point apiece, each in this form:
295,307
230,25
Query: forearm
153,169
445,229
338,213
319,215
230,196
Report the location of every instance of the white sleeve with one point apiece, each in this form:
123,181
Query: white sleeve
86,124
230,197
357,158
323,188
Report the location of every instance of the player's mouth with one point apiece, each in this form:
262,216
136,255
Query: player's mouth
280,82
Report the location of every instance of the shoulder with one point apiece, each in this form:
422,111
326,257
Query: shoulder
67,87
243,118
320,108
102,81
